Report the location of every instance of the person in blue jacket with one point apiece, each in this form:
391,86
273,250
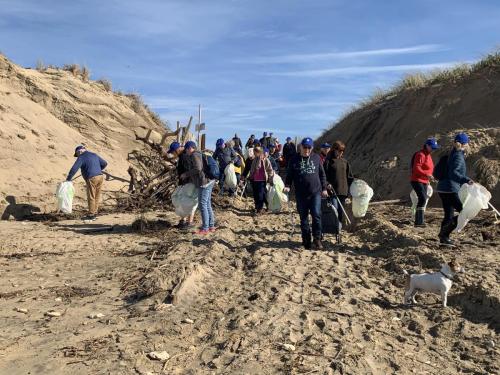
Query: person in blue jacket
224,155
448,187
91,166
306,172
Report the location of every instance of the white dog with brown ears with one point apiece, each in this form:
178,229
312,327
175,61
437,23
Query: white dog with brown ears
437,282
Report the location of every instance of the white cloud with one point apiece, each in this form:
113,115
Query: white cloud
306,58
362,70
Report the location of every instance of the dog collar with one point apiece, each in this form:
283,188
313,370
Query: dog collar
445,275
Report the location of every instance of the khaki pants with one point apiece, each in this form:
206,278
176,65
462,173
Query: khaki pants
94,186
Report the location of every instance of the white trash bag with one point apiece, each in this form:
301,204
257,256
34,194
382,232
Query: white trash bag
275,196
65,192
361,195
185,200
414,199
230,180
474,198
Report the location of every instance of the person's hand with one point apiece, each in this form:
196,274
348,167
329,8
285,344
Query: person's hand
432,179
286,190
470,182
347,200
324,194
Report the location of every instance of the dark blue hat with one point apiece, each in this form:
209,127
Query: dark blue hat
288,139
307,142
326,145
78,148
266,149
272,145
219,143
462,138
432,143
190,144
173,147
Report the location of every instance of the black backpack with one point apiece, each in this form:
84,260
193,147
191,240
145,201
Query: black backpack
441,168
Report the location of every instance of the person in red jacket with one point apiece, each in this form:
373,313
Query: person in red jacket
422,167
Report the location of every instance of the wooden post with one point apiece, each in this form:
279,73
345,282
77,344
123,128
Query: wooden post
203,142
178,131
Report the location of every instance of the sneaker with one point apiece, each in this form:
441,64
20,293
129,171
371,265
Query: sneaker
202,232
446,241
89,218
212,229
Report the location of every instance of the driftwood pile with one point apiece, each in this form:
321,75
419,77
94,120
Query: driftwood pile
153,177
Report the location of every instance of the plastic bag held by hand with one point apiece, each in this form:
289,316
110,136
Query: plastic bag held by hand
361,195
414,199
474,198
64,194
276,198
230,180
185,200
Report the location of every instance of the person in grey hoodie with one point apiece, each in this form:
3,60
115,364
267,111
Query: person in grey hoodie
455,176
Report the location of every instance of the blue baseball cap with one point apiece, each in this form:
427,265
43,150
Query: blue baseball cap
432,143
307,142
288,139
78,148
190,144
266,149
264,134
272,145
326,145
462,138
174,146
219,142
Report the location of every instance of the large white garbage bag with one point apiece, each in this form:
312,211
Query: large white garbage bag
275,196
474,198
361,195
185,200
414,199
65,192
230,180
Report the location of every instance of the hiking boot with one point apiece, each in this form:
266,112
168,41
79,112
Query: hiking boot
306,242
446,241
89,218
419,219
317,245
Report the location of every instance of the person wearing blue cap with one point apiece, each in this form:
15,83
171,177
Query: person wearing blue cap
224,155
422,168
197,176
324,151
91,166
184,164
289,150
306,173
451,177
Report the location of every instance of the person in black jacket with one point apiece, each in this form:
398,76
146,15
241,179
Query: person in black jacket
237,142
306,172
289,150
339,176
448,187
251,142
184,165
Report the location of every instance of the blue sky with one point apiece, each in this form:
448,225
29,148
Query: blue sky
254,65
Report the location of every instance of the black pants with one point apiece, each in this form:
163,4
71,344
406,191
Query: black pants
259,194
421,190
451,202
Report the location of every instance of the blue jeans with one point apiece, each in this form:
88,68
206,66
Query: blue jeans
205,206
421,190
305,205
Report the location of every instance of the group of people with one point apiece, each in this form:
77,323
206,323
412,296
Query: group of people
314,176
451,174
